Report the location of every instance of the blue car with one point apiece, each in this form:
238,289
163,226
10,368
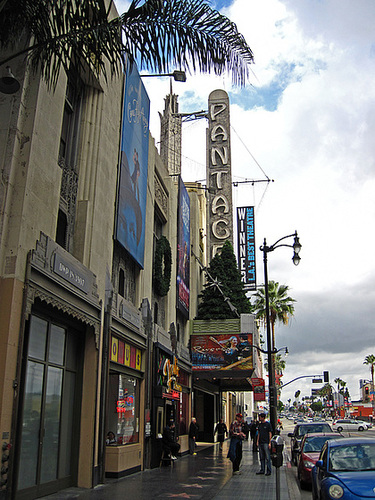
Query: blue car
345,470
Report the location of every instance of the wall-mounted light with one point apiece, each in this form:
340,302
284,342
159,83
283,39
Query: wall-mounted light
8,83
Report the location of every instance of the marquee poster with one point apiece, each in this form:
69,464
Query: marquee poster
222,351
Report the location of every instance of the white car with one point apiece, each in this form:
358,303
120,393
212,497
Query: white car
347,424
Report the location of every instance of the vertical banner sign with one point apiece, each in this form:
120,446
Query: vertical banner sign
246,246
259,389
132,189
183,250
219,172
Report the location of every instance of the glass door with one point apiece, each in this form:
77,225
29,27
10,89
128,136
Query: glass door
48,440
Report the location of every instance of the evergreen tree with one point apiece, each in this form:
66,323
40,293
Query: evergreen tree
227,285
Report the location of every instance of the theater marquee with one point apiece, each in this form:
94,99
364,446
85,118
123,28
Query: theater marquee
219,172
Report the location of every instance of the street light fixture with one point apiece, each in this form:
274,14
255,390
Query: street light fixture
274,351
271,351
178,76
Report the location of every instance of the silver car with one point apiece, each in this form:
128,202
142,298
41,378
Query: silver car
347,424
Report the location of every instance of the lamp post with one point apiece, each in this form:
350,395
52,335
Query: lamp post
271,348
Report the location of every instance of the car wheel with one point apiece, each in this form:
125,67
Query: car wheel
339,429
360,428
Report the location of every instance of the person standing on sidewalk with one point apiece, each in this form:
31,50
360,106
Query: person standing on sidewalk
235,448
222,431
254,434
193,434
264,444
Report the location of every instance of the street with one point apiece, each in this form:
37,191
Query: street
295,491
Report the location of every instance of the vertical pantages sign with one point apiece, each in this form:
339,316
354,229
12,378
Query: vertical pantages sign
246,246
219,172
132,186
183,249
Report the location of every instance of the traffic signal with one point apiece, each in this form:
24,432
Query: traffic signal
326,376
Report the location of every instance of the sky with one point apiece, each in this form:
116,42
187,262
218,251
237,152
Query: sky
306,120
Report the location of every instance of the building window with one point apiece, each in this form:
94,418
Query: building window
62,228
123,408
121,283
69,140
124,274
71,122
156,310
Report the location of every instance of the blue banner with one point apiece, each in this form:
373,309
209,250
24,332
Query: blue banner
183,250
132,190
246,246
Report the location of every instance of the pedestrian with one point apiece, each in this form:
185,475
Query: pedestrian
254,434
111,438
279,426
193,435
236,438
169,440
246,429
222,431
264,444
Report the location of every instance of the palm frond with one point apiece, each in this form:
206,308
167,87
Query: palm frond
161,34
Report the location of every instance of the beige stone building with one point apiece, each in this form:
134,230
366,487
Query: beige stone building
88,344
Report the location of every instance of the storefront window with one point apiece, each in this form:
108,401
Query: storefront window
123,408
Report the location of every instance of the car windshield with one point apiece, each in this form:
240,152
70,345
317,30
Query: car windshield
355,457
313,428
316,443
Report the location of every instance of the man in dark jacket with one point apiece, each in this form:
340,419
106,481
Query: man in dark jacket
222,431
169,440
193,435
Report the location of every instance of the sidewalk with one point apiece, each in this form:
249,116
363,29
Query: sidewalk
207,475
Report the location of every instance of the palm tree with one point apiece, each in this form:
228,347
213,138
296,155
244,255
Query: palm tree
370,360
280,364
158,34
280,305
326,392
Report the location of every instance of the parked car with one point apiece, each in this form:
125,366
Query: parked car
311,446
345,470
299,431
347,424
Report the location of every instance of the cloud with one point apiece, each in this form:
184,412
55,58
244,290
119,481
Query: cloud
306,120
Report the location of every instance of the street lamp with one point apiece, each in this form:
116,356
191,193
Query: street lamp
178,76
271,348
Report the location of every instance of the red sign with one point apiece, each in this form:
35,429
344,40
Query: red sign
259,389
171,395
